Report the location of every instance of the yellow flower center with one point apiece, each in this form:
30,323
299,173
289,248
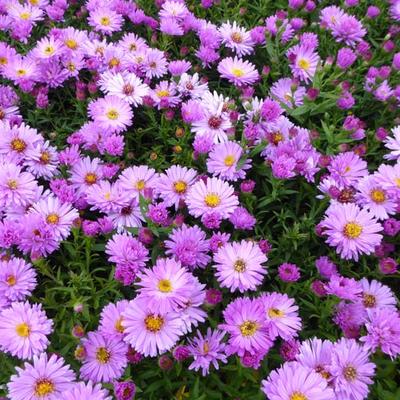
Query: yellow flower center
18,145
154,323
44,387
118,325
91,178
276,138
112,114
229,160
298,396
114,62
304,64
352,230
105,21
52,219
49,50
45,157
140,184
239,266
3,61
237,72
12,184
206,347
25,15
248,328
103,355
350,373
397,182
71,44
163,93
369,300
71,66
21,72
275,313
180,187
236,37
23,330
212,200
378,196
11,280
165,286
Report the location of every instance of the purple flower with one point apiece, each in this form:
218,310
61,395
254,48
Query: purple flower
124,390
289,272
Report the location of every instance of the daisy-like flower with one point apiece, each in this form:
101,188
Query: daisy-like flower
246,324
282,315
237,71
87,391
107,197
129,216
165,286
73,39
349,30
111,319
42,160
293,381
25,13
124,85
389,178
344,288
85,173
105,20
288,92
223,161
46,379
304,61
174,183
191,86
165,95
375,198
17,188
105,358
17,279
239,266
132,43
316,354
47,48
137,179
188,244
351,370
236,38
147,332
24,329
330,16
22,70
393,144
207,350
155,65
111,113
375,295
352,230
214,120
59,216
212,196
173,9
383,331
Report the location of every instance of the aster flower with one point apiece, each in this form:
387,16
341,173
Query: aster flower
351,370
105,20
375,198
224,160
191,86
348,29
389,178
147,332
288,92
165,286
17,279
293,381
330,16
236,38
239,266
376,295
46,378
383,331
174,184
155,65
85,173
111,320
137,179
207,350
107,197
87,391
42,160
237,71
124,85
59,216
245,321
188,245
344,288
48,47
164,95
105,358
24,329
129,216
111,112
304,64
353,231
316,354
281,314
214,195
393,144
347,168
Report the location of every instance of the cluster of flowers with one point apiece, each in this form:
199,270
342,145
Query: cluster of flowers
45,192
